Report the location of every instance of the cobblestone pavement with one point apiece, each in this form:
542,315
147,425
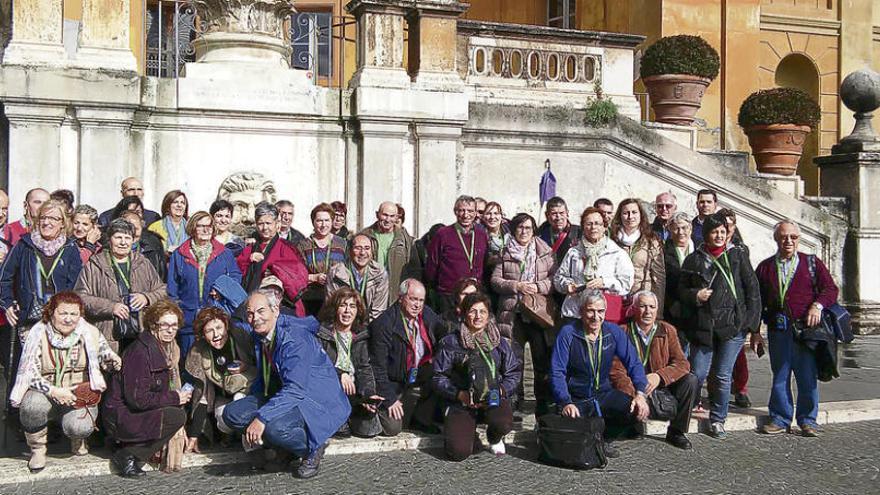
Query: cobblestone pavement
845,460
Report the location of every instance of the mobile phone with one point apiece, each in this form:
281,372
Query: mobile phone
187,387
580,288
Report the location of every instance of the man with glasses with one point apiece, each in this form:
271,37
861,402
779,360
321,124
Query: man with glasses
457,251
131,186
285,223
363,274
33,200
795,287
665,205
392,245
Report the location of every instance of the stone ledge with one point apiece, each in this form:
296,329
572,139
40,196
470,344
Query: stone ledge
14,470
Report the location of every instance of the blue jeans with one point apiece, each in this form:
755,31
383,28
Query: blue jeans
613,404
716,362
287,433
787,357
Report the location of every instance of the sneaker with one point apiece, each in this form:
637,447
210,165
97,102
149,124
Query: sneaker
716,430
611,451
309,466
772,428
809,431
742,401
498,448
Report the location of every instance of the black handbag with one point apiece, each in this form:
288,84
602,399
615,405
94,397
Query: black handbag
835,317
576,443
663,404
125,328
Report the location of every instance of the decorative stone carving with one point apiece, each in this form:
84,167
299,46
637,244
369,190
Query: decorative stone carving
860,92
244,190
250,31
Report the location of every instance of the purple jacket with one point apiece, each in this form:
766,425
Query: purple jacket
447,261
800,293
136,395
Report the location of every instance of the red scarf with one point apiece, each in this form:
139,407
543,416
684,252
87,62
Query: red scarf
715,252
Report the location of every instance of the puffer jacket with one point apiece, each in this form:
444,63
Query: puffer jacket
724,315
507,274
615,269
649,268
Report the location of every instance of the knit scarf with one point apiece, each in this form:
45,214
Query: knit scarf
202,254
48,247
29,370
470,340
527,257
591,254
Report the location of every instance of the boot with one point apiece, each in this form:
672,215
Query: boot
37,443
79,446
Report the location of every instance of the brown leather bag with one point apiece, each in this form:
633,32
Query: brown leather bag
540,309
85,396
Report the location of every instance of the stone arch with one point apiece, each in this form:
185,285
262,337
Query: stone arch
798,70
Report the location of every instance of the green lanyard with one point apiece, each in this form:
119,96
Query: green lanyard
487,357
120,271
636,338
595,364
469,254
363,286
45,275
726,273
61,364
267,368
326,256
784,282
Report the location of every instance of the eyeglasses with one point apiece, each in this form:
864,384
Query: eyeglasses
792,237
524,228
51,219
664,206
204,226
165,327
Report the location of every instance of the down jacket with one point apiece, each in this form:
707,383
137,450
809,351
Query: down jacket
507,274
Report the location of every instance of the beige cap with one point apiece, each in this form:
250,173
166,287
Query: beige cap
270,280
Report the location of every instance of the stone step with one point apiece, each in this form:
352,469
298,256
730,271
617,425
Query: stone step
14,470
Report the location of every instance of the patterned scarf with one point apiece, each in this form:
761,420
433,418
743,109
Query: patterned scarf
470,340
175,236
47,247
591,254
343,351
527,257
202,255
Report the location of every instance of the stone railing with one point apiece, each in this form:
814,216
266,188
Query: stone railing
517,63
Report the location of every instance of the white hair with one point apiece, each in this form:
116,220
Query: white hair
591,296
645,293
786,221
405,285
270,296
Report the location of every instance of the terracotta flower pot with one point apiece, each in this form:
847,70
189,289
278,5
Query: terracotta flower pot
675,98
777,148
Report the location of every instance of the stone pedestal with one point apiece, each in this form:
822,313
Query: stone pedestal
791,185
857,176
433,37
105,40
36,33
380,44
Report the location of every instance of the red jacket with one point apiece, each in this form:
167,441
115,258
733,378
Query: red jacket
800,293
283,261
14,231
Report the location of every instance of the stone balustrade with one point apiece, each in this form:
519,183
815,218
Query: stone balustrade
546,66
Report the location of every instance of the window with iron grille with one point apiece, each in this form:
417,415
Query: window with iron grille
169,28
561,14
311,35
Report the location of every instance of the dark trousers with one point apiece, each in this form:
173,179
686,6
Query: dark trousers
419,405
173,419
540,349
460,427
614,407
685,390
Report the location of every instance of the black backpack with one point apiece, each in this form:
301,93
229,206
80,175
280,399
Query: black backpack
572,442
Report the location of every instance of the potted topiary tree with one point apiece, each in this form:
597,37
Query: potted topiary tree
676,71
777,122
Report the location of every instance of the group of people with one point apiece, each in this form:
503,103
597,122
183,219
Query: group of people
161,329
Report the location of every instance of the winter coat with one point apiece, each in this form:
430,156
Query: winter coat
388,350
571,376
375,296
285,262
132,407
507,274
364,382
99,291
665,358
545,232
308,381
150,246
649,269
208,383
183,279
19,275
398,255
452,372
672,308
723,316
615,269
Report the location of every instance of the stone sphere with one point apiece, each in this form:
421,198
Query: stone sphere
860,91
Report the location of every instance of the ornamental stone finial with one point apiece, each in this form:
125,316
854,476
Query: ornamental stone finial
243,31
860,92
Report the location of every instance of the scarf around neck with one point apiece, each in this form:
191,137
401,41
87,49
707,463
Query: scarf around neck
628,240
176,236
49,248
470,340
592,252
527,257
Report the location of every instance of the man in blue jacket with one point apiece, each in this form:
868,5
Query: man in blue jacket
296,403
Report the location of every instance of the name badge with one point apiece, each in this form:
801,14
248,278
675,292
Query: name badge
494,397
781,322
413,374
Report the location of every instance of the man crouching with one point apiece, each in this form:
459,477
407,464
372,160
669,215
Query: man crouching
296,402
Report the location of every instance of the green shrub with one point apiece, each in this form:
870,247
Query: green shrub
681,54
779,106
601,112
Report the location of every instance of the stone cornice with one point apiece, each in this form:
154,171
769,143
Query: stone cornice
805,25
549,34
